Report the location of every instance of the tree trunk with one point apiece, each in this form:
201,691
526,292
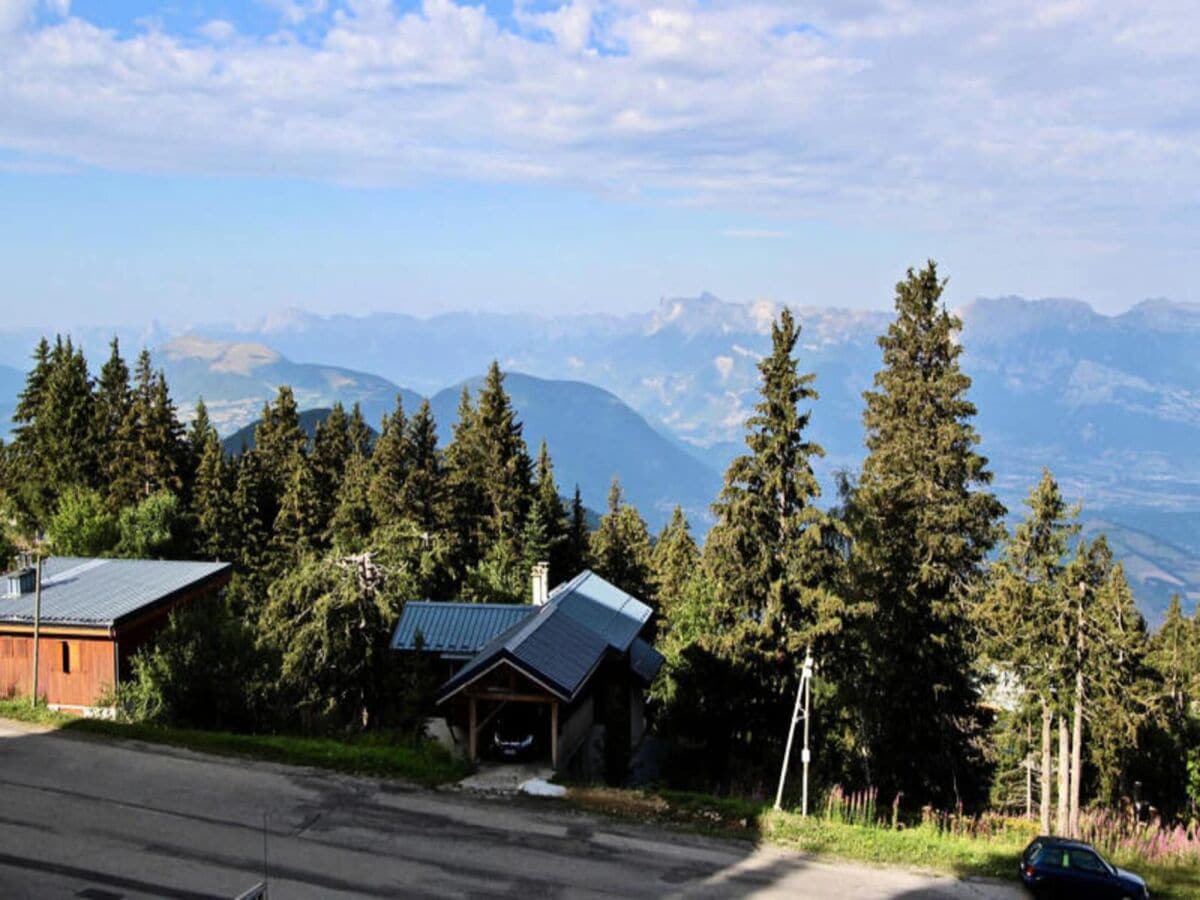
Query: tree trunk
1076,754
1047,784
1064,776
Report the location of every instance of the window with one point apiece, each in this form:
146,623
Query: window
66,657
1088,862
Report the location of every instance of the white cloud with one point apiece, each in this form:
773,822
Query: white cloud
1077,118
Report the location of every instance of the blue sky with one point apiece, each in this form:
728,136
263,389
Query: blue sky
195,160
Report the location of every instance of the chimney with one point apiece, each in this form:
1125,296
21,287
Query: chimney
541,583
22,581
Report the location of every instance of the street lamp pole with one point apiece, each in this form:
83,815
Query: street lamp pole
37,621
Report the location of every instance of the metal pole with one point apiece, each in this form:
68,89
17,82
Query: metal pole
801,694
37,624
805,754
787,753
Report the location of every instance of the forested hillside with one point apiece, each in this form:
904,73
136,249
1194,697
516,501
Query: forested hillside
906,585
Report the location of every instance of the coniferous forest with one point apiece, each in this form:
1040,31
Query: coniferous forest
954,651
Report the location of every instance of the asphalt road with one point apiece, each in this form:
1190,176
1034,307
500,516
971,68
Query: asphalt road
104,820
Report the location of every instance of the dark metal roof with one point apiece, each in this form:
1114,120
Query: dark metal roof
454,629
101,593
644,660
602,607
562,642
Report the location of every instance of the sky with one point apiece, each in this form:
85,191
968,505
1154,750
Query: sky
203,161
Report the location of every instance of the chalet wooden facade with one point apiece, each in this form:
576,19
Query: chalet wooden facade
95,615
576,659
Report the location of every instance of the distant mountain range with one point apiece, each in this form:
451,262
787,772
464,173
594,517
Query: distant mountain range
1110,403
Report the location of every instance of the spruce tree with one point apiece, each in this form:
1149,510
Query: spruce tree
298,531
212,500
923,523
464,498
113,400
507,481
360,431
1023,615
620,547
674,564
332,448
390,464
280,442
352,522
553,516
421,495
251,506
772,550
576,554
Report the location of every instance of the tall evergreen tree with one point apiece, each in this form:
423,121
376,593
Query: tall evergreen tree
674,564
113,400
553,516
1023,614
390,465
464,497
772,550
577,554
332,448
298,529
421,495
212,500
620,547
923,524
280,442
353,522
251,507
507,481
360,431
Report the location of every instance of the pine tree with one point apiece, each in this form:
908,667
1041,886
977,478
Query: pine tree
464,497
576,554
421,499
1024,613
620,547
298,531
390,464
772,549
250,511
674,564
332,448
553,516
352,521
128,482
360,432
507,482
212,501
113,400
153,453
923,524
280,442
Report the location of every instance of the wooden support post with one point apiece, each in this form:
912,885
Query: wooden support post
554,734
473,742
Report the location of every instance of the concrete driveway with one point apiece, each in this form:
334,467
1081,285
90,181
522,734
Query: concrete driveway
106,820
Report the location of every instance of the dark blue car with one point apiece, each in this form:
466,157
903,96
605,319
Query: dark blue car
1059,869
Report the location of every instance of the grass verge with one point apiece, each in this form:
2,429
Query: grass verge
922,847
375,755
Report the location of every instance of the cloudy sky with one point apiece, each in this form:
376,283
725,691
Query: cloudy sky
203,159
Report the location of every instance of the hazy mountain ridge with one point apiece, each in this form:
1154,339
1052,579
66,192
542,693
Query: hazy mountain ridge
1111,403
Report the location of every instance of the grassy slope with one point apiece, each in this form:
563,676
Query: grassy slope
373,755
920,847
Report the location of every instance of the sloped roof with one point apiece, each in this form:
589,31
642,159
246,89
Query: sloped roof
101,593
563,641
644,660
602,607
454,629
